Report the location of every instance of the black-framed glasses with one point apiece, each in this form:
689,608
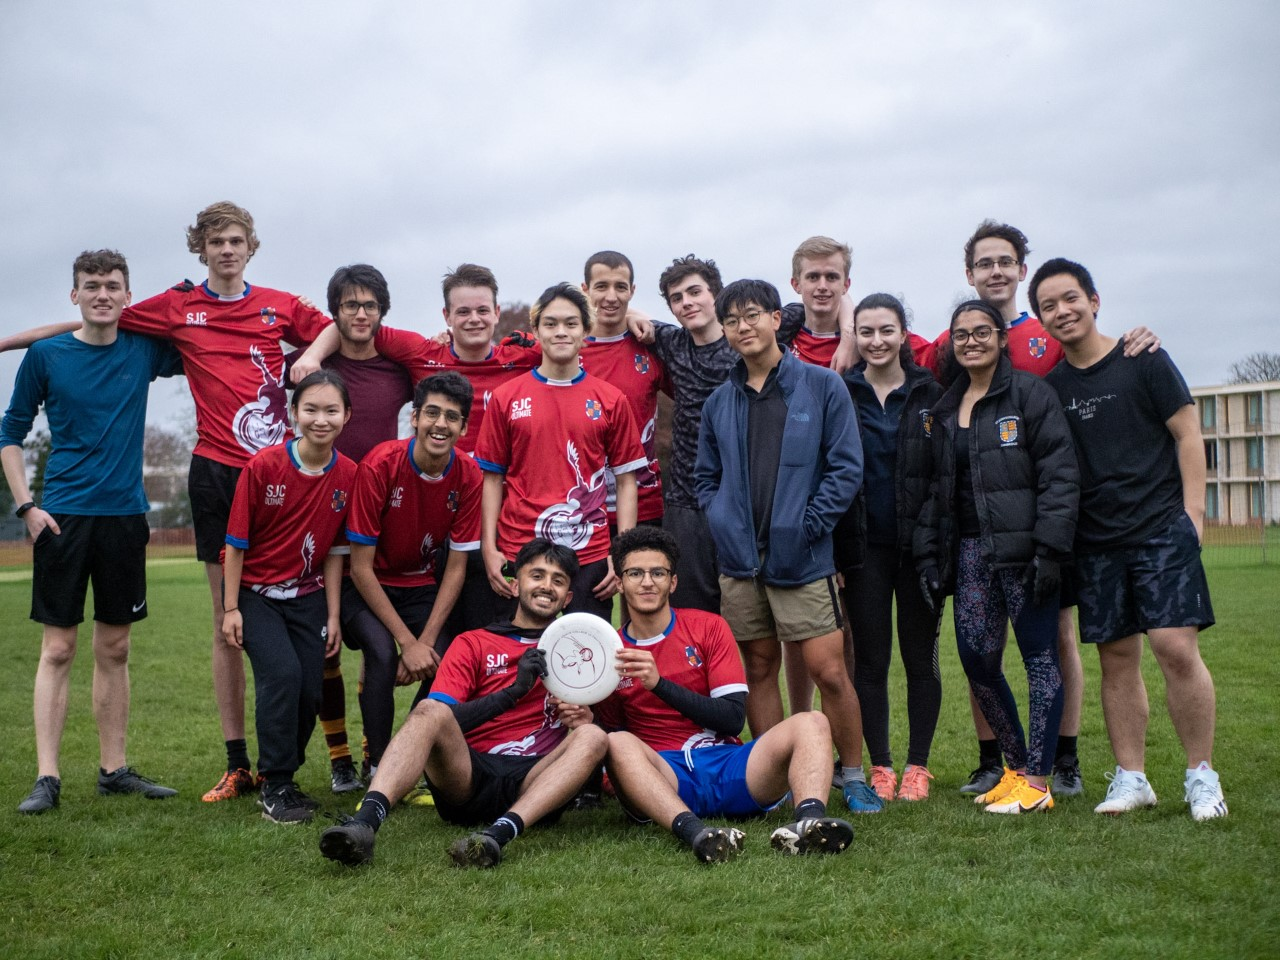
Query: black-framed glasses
986,264
352,307
981,334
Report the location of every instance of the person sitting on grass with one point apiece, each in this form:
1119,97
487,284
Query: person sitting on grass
675,756
496,747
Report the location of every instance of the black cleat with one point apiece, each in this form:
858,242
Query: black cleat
1067,781
478,850
344,777
129,780
718,844
350,842
982,779
813,835
43,796
286,804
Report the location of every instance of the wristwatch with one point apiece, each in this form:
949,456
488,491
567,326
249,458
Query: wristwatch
24,508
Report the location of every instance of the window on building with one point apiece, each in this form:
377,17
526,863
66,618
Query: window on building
1208,413
1253,410
1211,502
1256,511
1253,455
1211,455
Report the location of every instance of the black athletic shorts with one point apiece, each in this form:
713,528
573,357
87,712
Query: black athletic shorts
109,551
496,780
211,486
412,604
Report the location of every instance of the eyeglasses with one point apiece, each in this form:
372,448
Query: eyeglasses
637,574
981,334
352,307
433,413
986,264
750,318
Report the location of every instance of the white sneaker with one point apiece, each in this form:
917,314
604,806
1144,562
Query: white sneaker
1128,791
1204,795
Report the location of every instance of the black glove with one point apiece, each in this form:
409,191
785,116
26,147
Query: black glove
931,587
518,338
531,666
1043,580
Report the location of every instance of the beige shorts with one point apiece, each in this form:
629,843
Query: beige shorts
757,611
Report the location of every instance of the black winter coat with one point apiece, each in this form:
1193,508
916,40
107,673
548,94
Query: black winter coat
1026,480
913,468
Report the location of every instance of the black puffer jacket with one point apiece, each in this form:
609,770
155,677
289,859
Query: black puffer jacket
1026,481
913,468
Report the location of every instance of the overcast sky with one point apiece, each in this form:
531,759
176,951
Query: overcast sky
1140,138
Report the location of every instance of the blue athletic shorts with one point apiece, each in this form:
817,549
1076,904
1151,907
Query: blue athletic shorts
1160,583
713,780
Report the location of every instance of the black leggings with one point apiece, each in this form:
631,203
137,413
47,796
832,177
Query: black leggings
868,596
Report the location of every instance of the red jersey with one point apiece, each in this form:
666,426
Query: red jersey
923,352
696,651
423,357
231,353
815,348
481,662
408,514
552,440
631,367
1030,347
286,521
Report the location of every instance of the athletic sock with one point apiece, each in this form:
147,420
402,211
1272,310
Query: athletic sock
853,773
686,827
1200,770
989,753
333,714
237,756
812,808
506,828
1066,747
374,808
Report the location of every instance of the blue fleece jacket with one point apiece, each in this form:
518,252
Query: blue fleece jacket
819,473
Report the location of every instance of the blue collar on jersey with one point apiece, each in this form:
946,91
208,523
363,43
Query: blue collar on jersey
1022,316
293,457
558,383
424,475
218,296
650,641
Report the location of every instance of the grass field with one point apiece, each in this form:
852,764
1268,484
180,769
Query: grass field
126,877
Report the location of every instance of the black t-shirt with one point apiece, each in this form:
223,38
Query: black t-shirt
966,503
1130,485
766,421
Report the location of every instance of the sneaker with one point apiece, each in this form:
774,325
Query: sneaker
1203,793
1024,798
478,850
350,842
586,800
860,798
44,796
129,780
813,835
234,783
1005,786
718,844
1067,781
884,782
286,804
982,779
1128,791
344,778
915,782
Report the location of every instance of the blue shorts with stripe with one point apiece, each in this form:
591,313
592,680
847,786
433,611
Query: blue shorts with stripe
712,781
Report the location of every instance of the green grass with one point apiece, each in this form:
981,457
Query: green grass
126,877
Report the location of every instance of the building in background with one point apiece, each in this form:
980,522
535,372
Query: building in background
1241,426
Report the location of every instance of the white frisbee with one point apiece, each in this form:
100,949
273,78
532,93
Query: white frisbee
582,650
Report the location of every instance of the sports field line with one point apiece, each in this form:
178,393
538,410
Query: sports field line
17,576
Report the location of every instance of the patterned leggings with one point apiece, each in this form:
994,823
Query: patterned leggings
985,600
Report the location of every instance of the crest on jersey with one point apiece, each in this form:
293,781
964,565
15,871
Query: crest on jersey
926,422
594,410
268,316
691,655
1037,346
642,363
339,501
1008,428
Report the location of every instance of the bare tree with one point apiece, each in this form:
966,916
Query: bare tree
515,316
1255,368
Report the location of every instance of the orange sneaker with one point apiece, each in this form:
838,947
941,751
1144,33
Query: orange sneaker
915,783
884,782
1010,782
237,783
